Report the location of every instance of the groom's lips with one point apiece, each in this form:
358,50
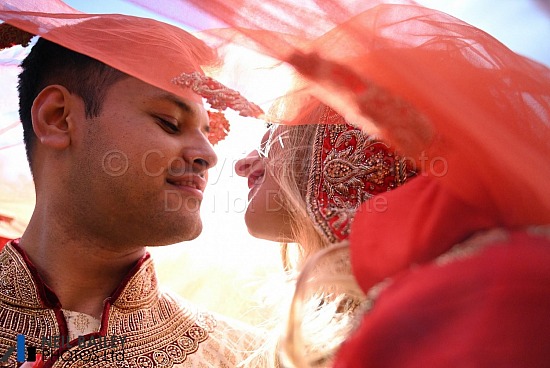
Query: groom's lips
192,184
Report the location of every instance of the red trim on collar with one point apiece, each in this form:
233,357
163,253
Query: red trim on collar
115,294
46,295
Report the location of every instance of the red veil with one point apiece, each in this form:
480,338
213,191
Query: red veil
471,113
157,53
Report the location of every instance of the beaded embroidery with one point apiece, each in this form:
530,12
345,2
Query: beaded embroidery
159,330
219,97
219,126
348,167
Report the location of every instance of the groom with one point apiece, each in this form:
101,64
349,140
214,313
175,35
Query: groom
116,136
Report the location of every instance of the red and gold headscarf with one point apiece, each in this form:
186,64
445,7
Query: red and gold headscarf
347,167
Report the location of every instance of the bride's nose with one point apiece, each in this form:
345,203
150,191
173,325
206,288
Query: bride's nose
248,164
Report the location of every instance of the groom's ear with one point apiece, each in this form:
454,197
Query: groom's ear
50,116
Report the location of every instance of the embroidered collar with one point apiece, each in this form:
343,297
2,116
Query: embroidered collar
159,330
21,285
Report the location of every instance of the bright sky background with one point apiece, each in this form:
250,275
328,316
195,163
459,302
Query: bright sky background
225,244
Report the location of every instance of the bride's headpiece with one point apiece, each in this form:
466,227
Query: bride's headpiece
347,168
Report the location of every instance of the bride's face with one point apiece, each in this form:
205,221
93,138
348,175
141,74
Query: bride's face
266,216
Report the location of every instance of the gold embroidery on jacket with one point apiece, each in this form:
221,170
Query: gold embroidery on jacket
159,331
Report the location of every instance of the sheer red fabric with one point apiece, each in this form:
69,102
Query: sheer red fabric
157,53
469,112
129,44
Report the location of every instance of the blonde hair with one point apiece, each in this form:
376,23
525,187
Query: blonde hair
321,311
289,154
289,162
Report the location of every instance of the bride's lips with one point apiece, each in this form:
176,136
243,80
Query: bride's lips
255,178
191,184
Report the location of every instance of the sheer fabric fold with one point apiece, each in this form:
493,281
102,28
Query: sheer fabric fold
160,54
129,44
465,109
